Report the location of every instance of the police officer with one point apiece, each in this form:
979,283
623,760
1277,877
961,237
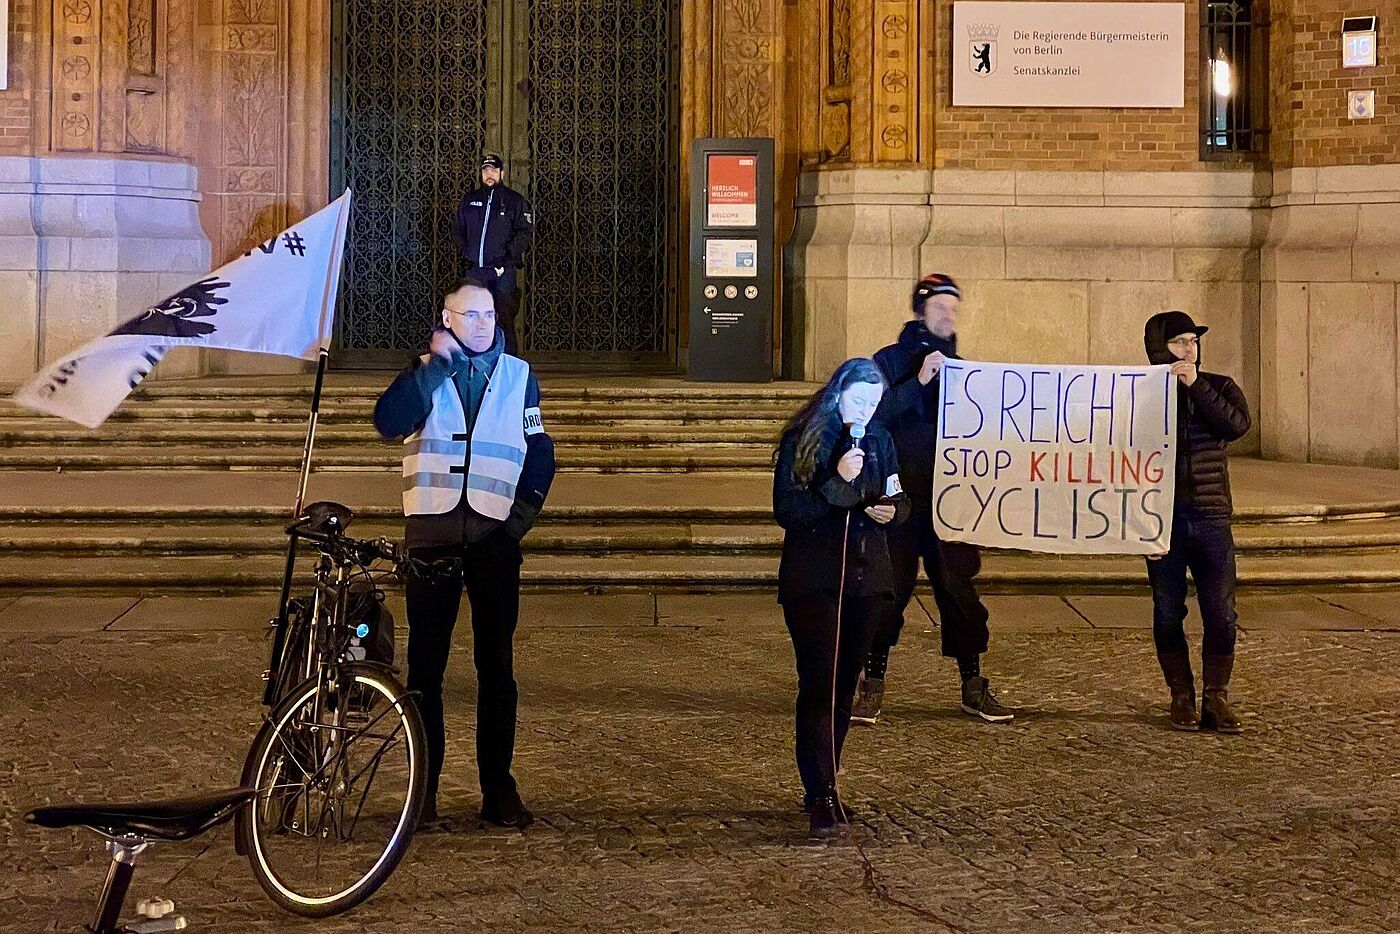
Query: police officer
477,466
493,227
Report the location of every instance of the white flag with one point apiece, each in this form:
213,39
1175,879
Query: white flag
277,298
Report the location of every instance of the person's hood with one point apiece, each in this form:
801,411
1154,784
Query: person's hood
1161,328
916,339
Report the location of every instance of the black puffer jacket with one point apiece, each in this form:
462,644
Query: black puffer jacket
909,410
814,518
1211,413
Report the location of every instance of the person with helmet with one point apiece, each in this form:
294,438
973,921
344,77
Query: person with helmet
909,410
493,228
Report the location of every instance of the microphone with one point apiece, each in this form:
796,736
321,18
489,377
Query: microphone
857,432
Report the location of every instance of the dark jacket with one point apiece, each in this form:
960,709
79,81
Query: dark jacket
1210,414
403,408
909,410
814,518
506,229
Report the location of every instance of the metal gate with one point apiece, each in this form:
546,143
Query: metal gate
580,96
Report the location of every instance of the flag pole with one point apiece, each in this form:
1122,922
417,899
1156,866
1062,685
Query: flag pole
289,569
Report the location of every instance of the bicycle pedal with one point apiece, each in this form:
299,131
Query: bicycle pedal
159,915
157,925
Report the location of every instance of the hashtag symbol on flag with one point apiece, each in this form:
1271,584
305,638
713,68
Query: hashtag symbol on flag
295,245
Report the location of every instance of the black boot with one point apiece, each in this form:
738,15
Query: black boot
1215,704
843,813
1176,667
505,809
824,823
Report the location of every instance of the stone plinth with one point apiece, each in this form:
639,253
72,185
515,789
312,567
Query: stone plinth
86,243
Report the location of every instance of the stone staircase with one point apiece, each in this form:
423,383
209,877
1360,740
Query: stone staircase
664,485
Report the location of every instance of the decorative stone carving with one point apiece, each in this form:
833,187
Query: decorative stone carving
141,36
77,12
839,34
76,67
748,71
76,126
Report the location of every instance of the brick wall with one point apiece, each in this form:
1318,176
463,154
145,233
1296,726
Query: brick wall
16,102
1059,138
1311,127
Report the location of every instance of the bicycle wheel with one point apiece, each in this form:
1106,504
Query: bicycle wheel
341,770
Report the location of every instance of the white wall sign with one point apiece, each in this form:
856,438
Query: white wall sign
731,259
1009,54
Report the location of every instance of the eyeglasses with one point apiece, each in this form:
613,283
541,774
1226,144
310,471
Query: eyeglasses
1183,342
472,314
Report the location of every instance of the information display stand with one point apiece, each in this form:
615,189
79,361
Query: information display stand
732,282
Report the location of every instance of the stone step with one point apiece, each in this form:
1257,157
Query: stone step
380,456
747,534
201,434
1002,574
637,412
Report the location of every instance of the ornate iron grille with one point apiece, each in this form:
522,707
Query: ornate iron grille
600,120
411,88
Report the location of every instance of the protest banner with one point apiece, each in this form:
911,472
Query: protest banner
1062,459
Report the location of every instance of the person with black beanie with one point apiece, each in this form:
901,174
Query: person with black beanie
836,494
1211,412
910,411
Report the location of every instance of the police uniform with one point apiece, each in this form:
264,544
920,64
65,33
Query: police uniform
493,227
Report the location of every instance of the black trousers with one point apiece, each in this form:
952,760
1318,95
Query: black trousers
951,568
811,621
506,293
491,574
1206,547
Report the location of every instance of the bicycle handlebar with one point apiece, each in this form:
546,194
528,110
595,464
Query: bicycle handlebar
364,552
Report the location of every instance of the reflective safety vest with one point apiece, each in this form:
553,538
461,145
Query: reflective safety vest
435,463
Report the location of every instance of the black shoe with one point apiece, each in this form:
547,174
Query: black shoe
843,810
428,819
978,701
506,810
823,823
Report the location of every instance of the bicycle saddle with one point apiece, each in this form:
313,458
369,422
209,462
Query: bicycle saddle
171,819
327,518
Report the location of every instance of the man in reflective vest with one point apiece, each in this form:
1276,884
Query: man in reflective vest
477,467
493,228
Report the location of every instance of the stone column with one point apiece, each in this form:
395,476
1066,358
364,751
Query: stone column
87,242
1330,316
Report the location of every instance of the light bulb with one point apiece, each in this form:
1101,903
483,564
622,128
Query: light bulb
1221,77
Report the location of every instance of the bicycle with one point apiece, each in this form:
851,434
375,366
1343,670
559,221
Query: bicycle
339,763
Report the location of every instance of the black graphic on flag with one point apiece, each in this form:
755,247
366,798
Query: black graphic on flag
173,317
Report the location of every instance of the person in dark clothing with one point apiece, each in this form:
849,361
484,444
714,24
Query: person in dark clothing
1211,412
492,228
477,467
836,492
910,411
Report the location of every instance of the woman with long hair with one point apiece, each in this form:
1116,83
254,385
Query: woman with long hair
835,493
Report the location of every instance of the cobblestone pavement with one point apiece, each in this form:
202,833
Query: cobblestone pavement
656,749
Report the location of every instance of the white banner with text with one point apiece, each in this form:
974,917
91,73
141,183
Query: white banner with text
1062,459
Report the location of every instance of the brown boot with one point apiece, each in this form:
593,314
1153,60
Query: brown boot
1176,667
1215,704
